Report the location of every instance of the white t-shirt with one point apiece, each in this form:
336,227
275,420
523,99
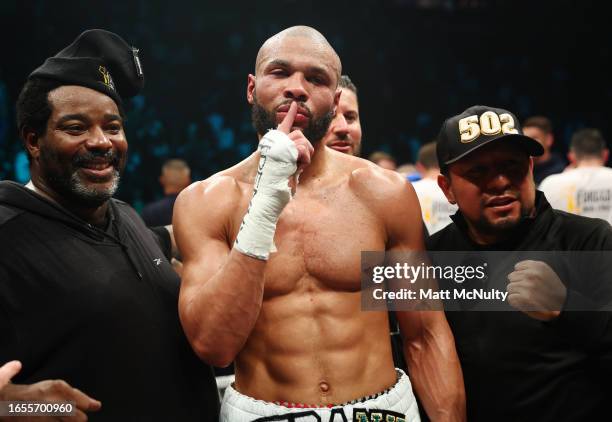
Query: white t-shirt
435,207
584,191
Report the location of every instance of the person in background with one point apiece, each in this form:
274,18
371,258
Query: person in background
175,176
344,133
540,128
409,171
384,160
585,189
436,210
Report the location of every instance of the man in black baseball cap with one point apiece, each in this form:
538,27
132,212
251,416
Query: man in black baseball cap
537,360
87,294
475,145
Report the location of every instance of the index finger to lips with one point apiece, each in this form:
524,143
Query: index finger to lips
287,123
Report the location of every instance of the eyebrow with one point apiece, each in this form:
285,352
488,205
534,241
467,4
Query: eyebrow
68,117
113,117
84,118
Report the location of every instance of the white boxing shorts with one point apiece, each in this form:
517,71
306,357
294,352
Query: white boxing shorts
397,404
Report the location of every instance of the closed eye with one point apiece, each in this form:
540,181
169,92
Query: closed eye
317,80
75,129
279,72
114,128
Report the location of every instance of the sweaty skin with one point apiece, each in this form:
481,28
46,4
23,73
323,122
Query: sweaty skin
293,324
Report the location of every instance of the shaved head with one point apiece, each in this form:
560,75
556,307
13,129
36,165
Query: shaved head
316,42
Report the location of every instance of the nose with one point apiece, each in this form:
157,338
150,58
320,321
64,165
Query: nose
294,89
340,126
99,140
499,182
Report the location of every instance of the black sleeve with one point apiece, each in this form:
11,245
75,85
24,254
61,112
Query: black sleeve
586,328
586,317
163,239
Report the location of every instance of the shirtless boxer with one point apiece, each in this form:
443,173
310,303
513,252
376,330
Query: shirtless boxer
273,283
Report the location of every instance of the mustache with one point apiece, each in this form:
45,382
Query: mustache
110,156
301,106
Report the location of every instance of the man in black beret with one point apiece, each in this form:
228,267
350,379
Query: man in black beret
86,294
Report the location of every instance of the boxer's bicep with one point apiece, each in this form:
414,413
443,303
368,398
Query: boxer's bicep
200,221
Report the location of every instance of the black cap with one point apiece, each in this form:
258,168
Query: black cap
476,127
99,60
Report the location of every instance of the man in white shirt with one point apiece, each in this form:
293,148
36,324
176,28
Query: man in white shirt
587,189
435,208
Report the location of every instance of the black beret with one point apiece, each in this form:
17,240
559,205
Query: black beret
99,60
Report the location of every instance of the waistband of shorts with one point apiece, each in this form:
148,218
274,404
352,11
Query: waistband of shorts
401,390
399,373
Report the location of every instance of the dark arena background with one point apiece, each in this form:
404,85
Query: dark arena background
415,62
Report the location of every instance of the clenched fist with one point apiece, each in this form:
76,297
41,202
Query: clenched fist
535,289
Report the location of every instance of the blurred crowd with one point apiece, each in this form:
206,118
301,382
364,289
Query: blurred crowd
192,106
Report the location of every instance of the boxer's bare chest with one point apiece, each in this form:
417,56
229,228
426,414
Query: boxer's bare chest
319,238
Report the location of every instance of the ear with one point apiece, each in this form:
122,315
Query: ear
250,88
31,142
571,157
337,99
444,183
605,154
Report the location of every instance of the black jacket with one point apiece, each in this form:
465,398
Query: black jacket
520,369
97,309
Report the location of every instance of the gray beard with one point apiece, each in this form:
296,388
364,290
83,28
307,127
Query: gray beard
70,185
91,195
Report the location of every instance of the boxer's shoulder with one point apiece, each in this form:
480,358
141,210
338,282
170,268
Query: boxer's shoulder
205,199
219,185
371,180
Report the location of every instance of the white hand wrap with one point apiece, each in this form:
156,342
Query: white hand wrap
277,164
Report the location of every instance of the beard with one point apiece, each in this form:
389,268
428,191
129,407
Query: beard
64,178
264,120
504,225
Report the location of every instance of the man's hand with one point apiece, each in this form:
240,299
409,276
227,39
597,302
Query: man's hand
535,289
8,371
281,154
303,145
51,391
